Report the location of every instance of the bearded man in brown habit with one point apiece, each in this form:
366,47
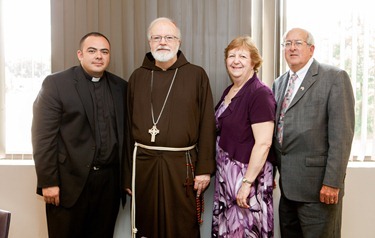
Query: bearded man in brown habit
173,127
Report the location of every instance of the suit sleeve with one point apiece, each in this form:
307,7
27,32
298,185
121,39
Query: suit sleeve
340,129
47,113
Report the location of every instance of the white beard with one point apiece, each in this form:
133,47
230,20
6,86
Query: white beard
164,56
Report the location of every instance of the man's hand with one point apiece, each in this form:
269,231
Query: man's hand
201,182
52,195
329,195
128,191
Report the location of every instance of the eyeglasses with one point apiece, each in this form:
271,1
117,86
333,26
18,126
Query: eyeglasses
297,43
167,38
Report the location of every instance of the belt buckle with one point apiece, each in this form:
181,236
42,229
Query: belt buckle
95,168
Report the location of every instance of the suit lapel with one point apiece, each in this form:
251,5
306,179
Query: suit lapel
307,82
85,95
116,93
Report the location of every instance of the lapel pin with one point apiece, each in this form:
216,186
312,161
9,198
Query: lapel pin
302,88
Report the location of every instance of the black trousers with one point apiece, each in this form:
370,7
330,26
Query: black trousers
94,214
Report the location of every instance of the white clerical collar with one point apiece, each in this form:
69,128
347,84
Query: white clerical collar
95,80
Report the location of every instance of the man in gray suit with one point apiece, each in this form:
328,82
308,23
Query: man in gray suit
312,142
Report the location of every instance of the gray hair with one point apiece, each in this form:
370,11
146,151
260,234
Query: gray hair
159,20
309,37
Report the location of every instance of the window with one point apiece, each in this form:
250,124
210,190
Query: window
344,33
27,55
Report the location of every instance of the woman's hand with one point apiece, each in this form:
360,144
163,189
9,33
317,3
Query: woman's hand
243,194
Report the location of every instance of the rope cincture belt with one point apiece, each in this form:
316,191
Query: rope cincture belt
136,145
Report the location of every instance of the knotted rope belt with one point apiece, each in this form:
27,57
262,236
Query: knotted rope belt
188,163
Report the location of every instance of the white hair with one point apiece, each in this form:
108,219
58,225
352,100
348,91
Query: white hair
159,20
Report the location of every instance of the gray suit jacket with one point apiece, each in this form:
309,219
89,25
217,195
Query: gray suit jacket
318,133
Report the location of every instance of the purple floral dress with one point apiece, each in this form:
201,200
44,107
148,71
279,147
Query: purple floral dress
230,220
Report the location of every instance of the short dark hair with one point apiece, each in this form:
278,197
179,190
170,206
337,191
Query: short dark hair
94,33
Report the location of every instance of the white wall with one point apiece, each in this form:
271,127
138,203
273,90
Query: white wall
17,194
359,203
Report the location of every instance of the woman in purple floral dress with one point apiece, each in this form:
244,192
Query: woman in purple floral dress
243,204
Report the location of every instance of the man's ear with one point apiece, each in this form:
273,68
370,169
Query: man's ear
79,55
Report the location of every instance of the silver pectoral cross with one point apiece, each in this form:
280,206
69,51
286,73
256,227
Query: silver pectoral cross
153,131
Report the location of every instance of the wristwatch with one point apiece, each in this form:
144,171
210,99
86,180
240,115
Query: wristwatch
244,180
